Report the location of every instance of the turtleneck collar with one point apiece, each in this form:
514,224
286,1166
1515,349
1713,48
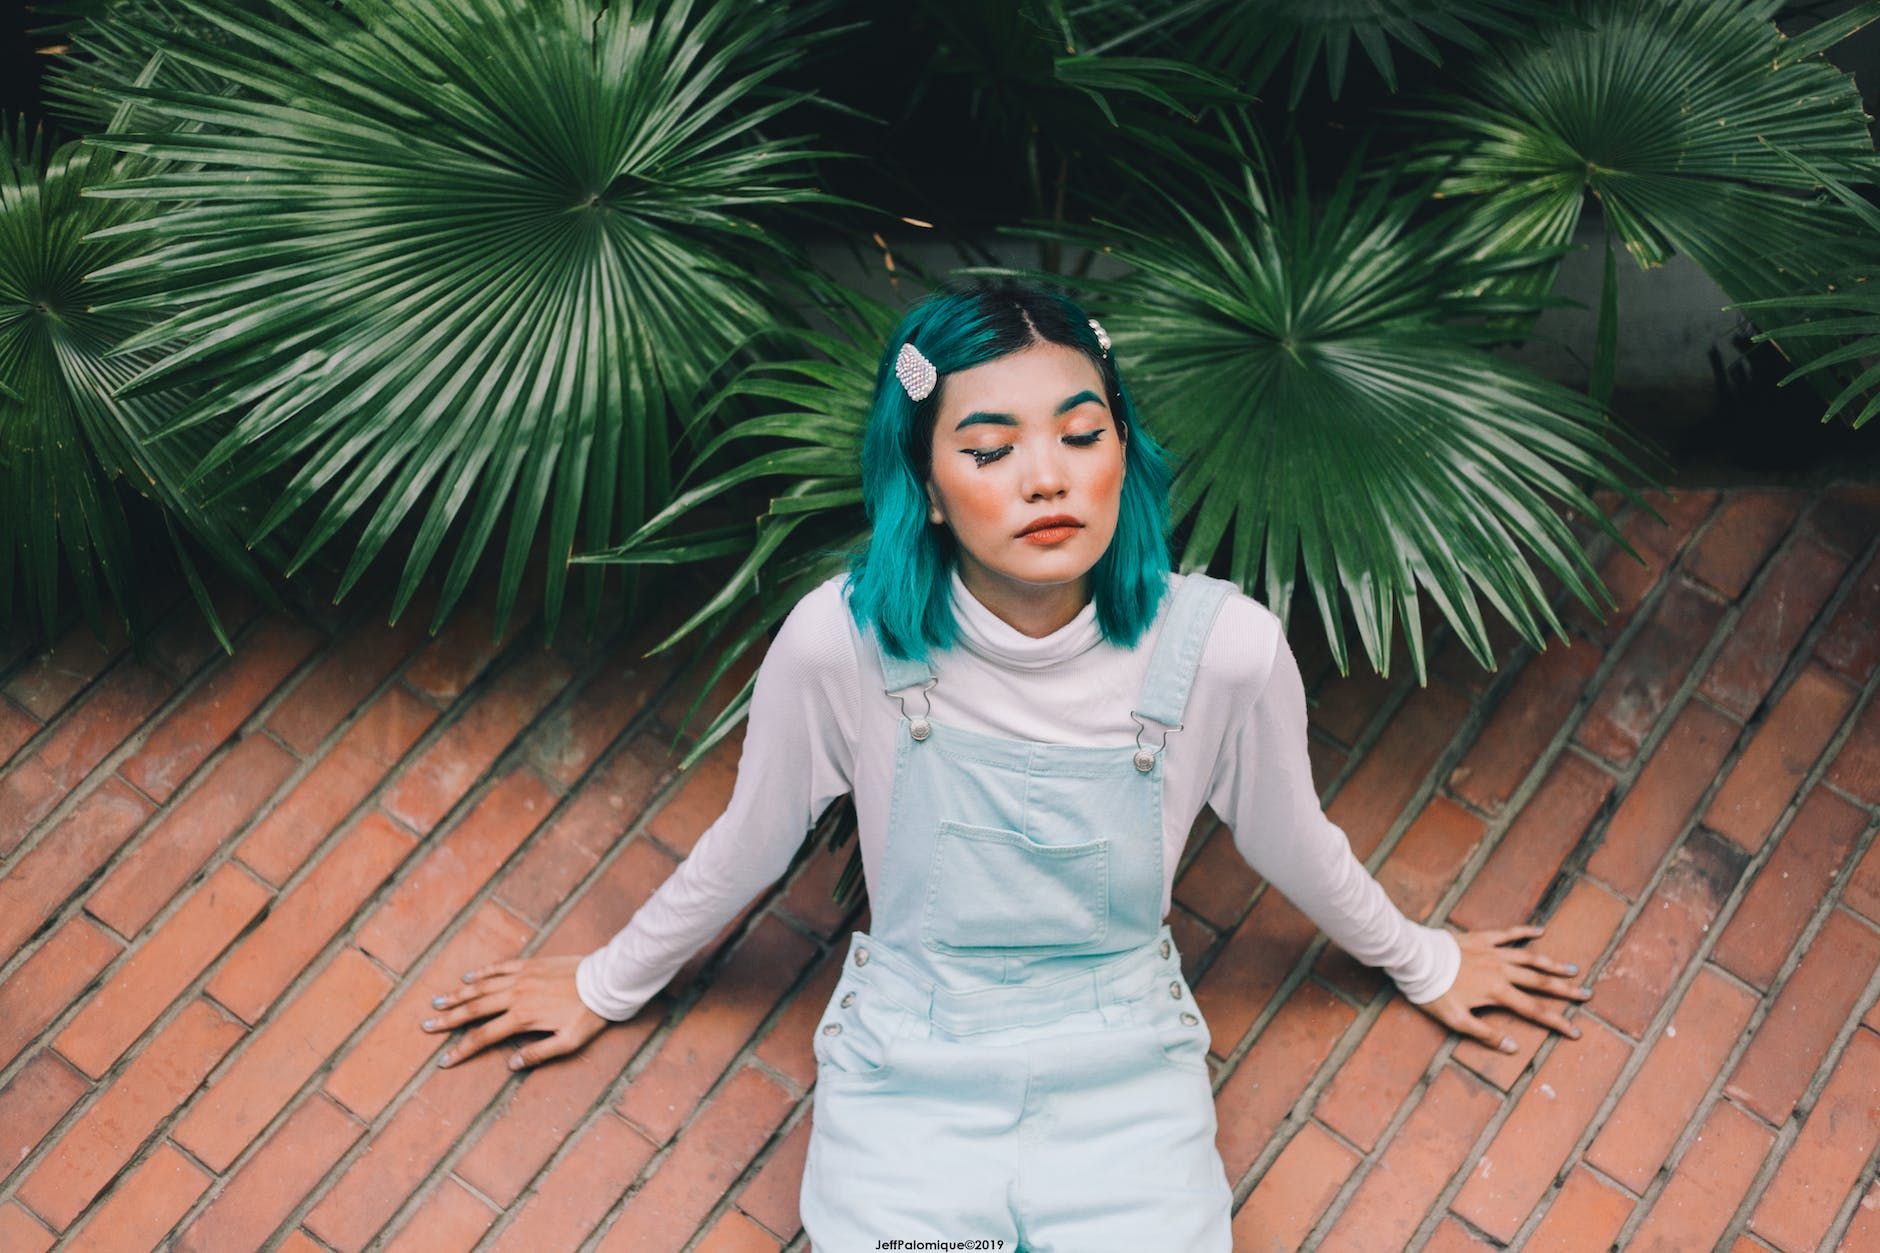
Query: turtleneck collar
997,640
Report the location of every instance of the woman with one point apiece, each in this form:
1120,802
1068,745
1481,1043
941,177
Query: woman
1030,709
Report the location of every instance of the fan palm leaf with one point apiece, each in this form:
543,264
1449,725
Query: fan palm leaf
439,258
1313,366
66,440
1674,115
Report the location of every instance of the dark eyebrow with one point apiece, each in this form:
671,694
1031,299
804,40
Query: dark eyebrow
1006,419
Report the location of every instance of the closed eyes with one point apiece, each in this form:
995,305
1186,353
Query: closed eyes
986,456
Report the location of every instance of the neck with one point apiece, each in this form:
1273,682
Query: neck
1033,609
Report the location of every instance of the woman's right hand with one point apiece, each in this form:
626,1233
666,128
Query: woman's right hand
523,994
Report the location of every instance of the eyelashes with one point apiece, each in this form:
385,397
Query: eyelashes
986,456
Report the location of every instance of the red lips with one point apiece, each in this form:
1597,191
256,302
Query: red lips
1056,519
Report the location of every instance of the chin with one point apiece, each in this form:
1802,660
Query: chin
1049,569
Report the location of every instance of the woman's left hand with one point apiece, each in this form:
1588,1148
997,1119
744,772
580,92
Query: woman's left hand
1494,975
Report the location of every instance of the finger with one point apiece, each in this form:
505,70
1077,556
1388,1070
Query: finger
476,1041
469,992
469,1011
1526,1006
542,1050
1483,1034
508,966
1554,985
1540,961
1526,931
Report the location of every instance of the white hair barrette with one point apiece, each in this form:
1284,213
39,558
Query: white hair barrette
1103,336
916,373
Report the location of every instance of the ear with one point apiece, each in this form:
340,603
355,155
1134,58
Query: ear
934,512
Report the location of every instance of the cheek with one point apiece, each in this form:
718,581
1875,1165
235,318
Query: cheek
1106,482
973,501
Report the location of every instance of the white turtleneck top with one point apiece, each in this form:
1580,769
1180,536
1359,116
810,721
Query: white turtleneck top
820,725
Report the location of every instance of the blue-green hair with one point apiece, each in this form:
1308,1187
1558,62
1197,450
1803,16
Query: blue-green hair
899,581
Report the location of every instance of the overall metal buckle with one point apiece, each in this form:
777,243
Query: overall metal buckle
1145,758
920,728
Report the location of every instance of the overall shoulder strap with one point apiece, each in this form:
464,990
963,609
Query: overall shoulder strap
897,673
1178,648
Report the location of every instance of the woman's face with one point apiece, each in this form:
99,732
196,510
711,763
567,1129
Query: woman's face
1018,439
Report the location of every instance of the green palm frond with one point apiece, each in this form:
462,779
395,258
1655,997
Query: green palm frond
443,258
63,17
111,49
1851,289
1313,366
1247,42
65,438
1674,115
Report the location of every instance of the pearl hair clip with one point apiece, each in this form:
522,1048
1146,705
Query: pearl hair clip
918,376
916,373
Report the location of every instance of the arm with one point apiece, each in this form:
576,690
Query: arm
796,759
1262,787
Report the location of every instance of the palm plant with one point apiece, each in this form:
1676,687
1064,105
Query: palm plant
67,442
437,258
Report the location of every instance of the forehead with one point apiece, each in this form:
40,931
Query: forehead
1034,379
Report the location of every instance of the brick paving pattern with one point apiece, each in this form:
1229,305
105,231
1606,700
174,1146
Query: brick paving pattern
229,886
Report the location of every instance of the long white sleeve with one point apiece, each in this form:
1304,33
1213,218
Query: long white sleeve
796,759
1262,787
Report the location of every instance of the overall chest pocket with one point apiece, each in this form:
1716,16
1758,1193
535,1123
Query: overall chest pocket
994,888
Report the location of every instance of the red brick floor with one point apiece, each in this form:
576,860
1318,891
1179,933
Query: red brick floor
232,883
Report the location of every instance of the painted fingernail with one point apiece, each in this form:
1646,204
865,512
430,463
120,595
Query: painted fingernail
1575,1033
468,975
1573,968
437,1002
430,1024
1586,989
1507,1044
443,1059
515,1062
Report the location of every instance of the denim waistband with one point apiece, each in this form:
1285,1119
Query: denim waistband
1110,980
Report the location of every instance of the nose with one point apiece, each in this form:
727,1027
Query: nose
1044,474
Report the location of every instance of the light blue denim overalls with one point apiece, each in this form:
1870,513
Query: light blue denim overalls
1013,1054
